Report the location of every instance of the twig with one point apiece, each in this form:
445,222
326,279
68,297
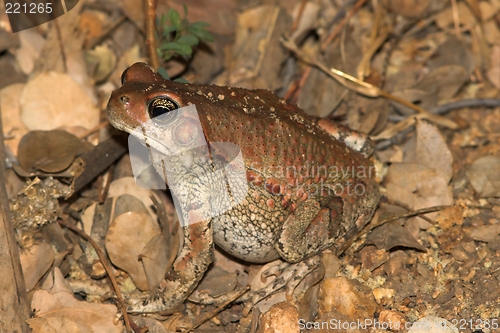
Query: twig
339,26
370,227
106,266
61,45
456,19
13,297
299,16
150,11
369,90
466,103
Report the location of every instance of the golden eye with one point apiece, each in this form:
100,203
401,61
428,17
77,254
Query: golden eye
162,110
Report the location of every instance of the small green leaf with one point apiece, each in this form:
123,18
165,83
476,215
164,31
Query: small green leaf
173,46
175,18
189,40
199,25
201,34
181,80
167,30
185,11
186,50
163,73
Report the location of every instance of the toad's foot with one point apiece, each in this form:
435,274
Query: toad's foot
187,270
287,276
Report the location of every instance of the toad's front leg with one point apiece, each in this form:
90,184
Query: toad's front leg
187,270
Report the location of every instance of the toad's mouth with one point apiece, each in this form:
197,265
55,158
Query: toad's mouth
140,133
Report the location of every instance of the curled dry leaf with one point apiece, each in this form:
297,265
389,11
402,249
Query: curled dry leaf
391,235
484,176
423,183
49,151
62,307
35,262
127,185
127,236
42,109
156,260
431,150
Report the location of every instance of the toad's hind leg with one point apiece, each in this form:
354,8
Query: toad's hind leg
187,270
306,232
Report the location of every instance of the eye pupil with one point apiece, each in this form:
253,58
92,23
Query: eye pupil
160,109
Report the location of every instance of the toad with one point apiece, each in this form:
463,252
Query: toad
248,172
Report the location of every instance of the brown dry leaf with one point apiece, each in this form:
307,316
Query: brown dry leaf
126,238
437,87
488,9
134,10
42,109
402,179
32,44
493,73
320,93
257,52
127,185
220,14
451,51
13,127
445,19
417,186
35,262
491,32
55,282
58,325
170,241
431,150
92,23
62,306
391,235
484,176
49,151
408,8
485,233
216,282
155,256
432,191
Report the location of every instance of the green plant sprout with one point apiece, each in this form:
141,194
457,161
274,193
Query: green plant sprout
176,36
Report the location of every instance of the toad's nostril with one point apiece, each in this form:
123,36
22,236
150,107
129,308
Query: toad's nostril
124,98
